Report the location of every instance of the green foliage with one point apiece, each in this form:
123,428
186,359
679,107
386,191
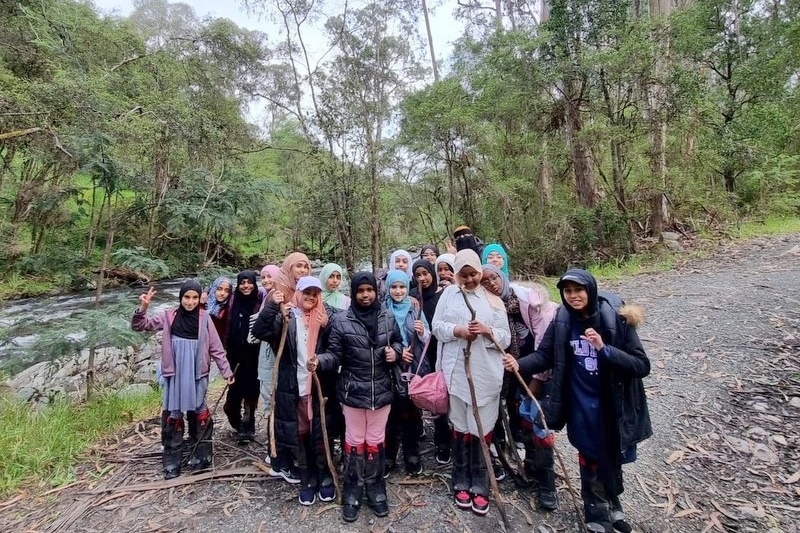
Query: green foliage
139,260
41,447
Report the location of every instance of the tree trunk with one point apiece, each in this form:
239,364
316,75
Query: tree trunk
430,41
160,185
659,206
98,293
545,176
585,187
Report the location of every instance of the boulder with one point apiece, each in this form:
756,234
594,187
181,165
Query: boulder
133,390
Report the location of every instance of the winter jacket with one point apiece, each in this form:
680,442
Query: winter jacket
210,345
620,371
268,327
364,379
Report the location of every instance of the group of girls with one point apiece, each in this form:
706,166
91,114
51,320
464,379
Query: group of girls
359,352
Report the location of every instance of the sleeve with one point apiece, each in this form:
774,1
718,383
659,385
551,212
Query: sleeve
543,358
442,327
396,339
500,328
216,351
268,325
631,359
331,358
142,322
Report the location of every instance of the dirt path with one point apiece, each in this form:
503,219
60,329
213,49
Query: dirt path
722,334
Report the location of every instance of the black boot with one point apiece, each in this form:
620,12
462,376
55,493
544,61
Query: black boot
374,483
191,427
173,446
478,477
595,502
247,429
233,410
460,457
202,426
545,477
164,418
353,481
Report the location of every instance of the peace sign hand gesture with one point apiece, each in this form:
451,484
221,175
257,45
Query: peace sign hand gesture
146,298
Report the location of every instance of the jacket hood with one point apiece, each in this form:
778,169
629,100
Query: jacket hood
581,277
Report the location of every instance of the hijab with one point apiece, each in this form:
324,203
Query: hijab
469,257
505,284
242,307
448,259
214,307
187,323
368,316
500,250
399,309
314,319
285,281
407,255
431,247
333,298
581,277
273,271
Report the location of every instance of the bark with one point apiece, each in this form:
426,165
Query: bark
585,187
430,41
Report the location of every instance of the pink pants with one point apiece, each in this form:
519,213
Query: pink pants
365,425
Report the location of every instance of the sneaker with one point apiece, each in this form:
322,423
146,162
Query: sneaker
499,472
287,474
308,496
462,499
327,493
413,466
268,459
388,467
480,504
598,527
443,456
349,512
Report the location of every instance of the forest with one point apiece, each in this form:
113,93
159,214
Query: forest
571,131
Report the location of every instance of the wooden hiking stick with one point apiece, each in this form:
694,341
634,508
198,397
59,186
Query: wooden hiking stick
561,462
487,456
326,443
202,437
510,443
273,448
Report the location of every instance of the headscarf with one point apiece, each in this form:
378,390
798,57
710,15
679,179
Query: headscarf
368,316
494,247
333,298
316,318
581,277
427,247
465,239
505,285
241,308
285,281
427,296
187,323
448,259
469,258
407,255
399,309
214,307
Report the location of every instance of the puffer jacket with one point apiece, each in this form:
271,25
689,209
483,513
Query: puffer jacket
365,377
620,374
268,327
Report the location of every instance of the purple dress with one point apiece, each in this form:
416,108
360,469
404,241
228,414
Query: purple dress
184,391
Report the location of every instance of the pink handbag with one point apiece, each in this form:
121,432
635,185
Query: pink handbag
429,391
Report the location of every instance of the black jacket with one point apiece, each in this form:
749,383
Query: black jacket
620,374
364,378
268,328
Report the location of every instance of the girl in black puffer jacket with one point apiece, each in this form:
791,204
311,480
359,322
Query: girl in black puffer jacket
365,342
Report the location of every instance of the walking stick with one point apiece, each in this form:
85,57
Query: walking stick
202,437
273,450
328,458
560,458
487,457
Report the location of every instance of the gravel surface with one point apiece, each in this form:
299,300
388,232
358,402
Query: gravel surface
724,393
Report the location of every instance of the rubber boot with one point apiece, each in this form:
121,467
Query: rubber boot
204,433
247,429
191,427
352,481
461,482
173,447
374,483
164,417
545,477
478,476
595,504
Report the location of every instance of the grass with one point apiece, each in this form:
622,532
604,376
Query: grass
768,227
40,447
19,286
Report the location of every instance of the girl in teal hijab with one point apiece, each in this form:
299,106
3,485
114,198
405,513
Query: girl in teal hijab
494,254
331,278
